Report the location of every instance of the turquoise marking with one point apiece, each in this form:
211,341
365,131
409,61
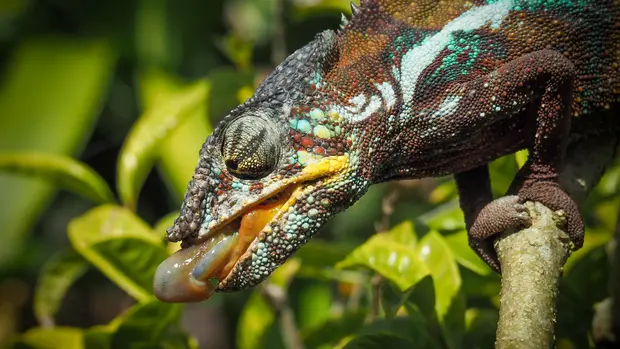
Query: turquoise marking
303,126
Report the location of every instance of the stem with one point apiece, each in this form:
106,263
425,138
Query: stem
387,209
375,282
532,262
277,298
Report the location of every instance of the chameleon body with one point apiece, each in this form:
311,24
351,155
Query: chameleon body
405,89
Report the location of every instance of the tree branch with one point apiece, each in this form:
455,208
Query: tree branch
532,261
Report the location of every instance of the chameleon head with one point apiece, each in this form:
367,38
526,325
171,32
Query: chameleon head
268,178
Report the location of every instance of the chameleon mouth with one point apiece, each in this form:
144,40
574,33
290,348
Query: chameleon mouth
193,273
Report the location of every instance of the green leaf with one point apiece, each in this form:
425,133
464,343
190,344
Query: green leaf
58,337
334,329
394,260
314,301
380,340
178,153
121,245
146,325
61,171
98,337
50,98
403,233
443,192
464,255
596,238
446,217
154,125
449,301
254,322
57,275
521,157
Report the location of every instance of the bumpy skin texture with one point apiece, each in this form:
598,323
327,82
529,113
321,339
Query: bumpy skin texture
411,89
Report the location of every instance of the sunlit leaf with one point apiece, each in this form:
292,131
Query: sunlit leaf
178,152
521,157
403,233
449,301
447,216
58,337
392,259
59,170
50,97
57,275
145,325
609,183
154,125
502,173
122,246
303,9
443,192
595,238
464,255
380,340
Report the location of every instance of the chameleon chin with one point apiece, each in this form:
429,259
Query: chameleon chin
402,90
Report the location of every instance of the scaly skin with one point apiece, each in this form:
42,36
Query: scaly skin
409,89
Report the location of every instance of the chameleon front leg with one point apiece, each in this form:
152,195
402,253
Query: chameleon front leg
547,78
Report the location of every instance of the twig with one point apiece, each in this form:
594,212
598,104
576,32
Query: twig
375,283
532,262
387,209
276,296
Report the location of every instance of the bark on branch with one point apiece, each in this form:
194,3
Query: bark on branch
532,261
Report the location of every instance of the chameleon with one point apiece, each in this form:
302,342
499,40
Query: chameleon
404,89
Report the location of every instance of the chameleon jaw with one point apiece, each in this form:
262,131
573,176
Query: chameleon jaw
196,272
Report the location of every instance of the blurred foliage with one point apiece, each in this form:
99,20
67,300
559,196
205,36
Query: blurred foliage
121,94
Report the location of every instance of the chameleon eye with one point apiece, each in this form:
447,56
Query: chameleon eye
250,147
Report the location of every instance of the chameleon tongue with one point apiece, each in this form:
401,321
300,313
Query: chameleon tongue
184,276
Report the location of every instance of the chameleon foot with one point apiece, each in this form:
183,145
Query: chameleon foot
551,195
497,216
